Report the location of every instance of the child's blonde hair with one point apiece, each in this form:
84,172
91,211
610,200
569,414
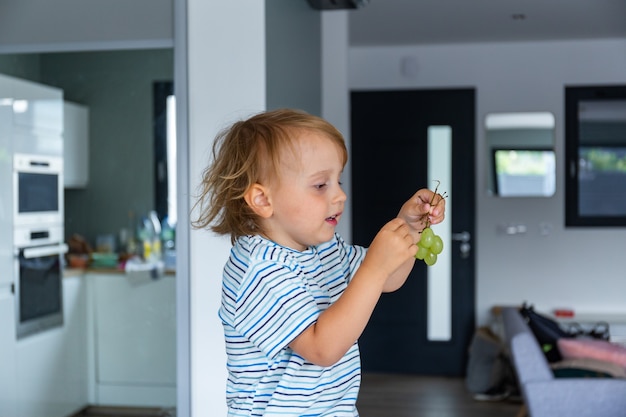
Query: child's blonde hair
247,153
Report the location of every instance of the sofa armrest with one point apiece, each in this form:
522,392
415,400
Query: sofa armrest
529,361
578,397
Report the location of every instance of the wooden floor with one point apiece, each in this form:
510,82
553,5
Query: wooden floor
382,395
417,396
103,411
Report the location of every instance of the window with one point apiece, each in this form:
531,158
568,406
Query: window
165,150
524,172
595,147
521,155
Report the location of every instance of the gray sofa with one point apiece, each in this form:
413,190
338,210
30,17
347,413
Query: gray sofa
547,396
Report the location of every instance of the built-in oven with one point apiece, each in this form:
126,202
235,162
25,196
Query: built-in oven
38,278
38,189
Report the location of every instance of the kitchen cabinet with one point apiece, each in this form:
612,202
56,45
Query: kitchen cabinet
31,117
6,185
135,339
37,116
8,369
75,343
51,369
117,347
75,145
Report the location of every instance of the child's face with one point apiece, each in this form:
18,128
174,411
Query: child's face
307,200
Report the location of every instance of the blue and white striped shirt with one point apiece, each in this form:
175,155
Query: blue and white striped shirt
271,294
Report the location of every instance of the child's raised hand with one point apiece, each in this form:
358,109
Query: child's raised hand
422,209
391,248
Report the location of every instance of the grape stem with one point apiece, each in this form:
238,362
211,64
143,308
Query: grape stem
432,200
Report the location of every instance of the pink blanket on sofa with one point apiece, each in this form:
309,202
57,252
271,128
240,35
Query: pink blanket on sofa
594,349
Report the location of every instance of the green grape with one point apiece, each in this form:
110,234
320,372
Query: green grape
437,245
430,258
429,246
427,237
421,252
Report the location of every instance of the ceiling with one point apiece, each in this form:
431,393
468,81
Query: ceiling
410,22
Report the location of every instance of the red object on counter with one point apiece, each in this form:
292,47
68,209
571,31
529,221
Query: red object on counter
563,312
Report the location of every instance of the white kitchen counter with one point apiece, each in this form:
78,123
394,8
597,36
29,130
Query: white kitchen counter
73,272
131,337
134,331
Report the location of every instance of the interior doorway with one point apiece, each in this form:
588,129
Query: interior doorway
399,140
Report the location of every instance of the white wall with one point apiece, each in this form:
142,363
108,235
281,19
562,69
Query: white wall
580,268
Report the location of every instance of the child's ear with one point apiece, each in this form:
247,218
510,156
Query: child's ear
258,199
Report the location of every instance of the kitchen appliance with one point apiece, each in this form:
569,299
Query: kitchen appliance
37,190
39,274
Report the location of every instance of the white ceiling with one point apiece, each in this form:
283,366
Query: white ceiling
32,26
79,25
405,22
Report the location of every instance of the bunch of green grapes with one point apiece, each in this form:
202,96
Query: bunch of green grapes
429,246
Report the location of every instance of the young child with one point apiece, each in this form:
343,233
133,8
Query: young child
295,296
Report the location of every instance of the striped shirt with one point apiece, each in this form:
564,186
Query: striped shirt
271,294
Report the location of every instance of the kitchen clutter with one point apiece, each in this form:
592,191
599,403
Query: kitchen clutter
150,247
79,252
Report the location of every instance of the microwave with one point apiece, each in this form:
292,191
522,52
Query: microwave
37,189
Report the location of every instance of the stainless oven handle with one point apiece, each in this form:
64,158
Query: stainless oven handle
45,251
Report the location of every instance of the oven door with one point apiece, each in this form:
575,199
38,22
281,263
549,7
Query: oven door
38,189
39,288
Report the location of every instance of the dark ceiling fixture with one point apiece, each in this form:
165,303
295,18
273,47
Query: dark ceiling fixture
337,4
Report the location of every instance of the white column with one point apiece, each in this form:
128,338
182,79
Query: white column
226,80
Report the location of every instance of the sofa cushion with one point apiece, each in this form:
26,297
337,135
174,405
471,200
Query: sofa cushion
594,349
576,397
587,367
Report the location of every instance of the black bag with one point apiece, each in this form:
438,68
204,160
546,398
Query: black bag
546,330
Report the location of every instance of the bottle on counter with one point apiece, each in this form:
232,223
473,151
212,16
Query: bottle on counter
145,233
149,235
157,250
129,237
168,237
